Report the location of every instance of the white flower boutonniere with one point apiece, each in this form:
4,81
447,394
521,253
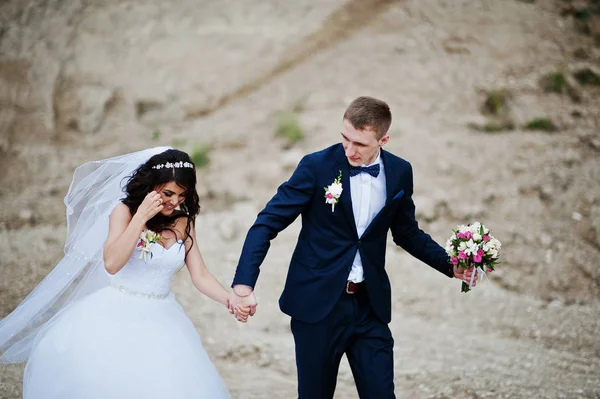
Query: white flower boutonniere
334,191
147,239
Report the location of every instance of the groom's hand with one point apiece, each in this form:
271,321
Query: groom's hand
465,274
241,296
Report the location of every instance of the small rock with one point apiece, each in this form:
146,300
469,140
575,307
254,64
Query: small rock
556,303
571,157
595,143
546,193
549,257
546,240
26,215
595,219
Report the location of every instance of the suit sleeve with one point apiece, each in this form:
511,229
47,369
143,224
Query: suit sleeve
291,199
407,234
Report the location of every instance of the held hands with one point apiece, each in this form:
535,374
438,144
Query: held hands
241,313
150,206
242,305
465,274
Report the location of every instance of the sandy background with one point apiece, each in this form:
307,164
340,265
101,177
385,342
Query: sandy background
83,80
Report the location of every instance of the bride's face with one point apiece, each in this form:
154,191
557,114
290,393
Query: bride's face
172,196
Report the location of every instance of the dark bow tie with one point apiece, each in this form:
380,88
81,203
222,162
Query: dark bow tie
373,170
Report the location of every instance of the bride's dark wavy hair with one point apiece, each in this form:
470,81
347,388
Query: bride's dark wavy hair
144,179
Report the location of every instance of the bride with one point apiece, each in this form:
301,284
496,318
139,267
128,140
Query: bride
104,323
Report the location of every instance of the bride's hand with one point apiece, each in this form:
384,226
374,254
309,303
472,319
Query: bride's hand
150,206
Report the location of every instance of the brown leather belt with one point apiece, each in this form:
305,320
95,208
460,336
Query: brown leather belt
353,288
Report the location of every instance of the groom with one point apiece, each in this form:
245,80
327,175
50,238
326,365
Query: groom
337,291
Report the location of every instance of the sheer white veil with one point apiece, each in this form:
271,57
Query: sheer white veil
96,189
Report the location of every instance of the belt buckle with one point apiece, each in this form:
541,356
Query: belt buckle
347,287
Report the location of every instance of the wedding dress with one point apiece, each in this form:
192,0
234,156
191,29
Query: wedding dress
88,335
130,340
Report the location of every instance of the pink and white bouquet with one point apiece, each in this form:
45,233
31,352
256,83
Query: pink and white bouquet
473,246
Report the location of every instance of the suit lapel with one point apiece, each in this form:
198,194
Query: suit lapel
346,197
390,176
390,189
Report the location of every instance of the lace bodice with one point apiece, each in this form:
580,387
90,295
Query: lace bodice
152,277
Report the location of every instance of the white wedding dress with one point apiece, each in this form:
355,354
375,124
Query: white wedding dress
130,340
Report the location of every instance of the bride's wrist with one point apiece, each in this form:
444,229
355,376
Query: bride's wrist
138,221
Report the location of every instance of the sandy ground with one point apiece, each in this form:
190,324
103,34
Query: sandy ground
218,73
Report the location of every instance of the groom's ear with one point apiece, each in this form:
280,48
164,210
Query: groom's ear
384,140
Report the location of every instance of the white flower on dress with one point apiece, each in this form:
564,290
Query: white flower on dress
147,239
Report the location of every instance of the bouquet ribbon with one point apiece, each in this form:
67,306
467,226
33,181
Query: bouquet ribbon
477,271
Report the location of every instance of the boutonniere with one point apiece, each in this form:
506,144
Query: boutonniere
147,239
334,191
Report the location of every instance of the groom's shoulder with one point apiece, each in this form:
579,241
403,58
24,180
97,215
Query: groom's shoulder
324,153
317,158
396,160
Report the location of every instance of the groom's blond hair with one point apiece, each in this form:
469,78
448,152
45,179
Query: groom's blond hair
368,113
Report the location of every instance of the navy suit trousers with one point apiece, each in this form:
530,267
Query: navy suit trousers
352,328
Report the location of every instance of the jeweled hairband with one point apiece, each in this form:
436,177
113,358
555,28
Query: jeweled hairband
179,164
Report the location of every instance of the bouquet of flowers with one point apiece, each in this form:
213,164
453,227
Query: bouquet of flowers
473,246
147,239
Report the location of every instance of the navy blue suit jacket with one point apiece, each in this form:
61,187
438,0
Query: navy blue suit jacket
328,241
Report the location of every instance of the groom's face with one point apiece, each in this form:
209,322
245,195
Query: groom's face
361,146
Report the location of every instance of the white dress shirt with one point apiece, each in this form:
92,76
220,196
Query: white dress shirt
368,197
